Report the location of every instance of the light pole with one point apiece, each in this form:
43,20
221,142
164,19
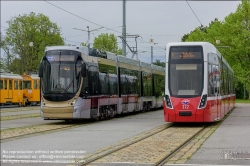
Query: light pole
88,33
32,62
124,29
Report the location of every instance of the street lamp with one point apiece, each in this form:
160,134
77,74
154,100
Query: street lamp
31,45
88,44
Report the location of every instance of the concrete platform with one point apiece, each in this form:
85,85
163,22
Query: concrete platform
230,143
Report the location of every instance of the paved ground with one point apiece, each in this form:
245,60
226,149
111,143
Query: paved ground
87,139
24,122
230,143
20,112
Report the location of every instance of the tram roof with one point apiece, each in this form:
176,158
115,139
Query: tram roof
188,43
81,49
110,56
32,76
10,76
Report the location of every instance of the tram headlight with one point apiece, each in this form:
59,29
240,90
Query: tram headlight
203,101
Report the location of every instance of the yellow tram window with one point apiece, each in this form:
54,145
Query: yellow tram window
1,84
26,84
35,84
5,84
10,84
20,85
38,84
16,84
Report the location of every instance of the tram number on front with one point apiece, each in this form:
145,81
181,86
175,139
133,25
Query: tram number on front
184,106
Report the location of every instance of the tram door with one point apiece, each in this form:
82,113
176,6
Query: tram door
215,84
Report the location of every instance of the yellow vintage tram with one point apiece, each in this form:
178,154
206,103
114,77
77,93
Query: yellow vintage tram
11,91
31,89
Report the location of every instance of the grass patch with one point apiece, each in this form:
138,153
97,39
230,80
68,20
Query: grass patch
242,101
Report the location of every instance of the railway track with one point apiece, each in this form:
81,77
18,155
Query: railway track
155,147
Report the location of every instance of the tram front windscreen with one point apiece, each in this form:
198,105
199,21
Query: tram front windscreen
186,71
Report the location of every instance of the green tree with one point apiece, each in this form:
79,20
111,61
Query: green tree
28,35
107,42
234,32
159,63
3,65
196,35
6,48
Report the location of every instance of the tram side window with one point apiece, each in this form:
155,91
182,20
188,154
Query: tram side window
16,85
157,85
1,84
103,83
38,84
133,79
131,86
134,86
10,84
93,80
26,84
230,82
222,86
221,83
225,69
35,84
137,83
113,84
20,85
216,79
222,79
124,83
86,88
162,85
233,90
147,84
124,80
210,81
5,84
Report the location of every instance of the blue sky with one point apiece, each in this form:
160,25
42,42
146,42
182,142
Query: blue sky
162,21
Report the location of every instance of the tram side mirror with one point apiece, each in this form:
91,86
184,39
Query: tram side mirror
40,72
83,70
